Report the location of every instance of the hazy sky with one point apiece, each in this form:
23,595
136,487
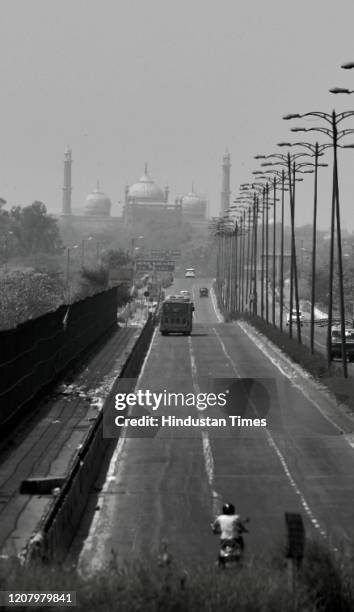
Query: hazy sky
172,83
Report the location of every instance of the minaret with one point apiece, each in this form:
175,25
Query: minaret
67,183
225,186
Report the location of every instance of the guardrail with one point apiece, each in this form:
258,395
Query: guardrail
58,527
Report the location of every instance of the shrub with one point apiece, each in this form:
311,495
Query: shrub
27,295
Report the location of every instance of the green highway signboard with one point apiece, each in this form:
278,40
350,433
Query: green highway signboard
143,266
165,266
164,254
150,265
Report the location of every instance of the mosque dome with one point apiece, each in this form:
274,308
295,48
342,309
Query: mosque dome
98,203
192,200
146,190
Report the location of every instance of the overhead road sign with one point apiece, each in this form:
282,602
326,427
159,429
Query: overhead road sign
162,265
155,254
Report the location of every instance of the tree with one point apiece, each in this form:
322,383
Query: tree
34,230
116,258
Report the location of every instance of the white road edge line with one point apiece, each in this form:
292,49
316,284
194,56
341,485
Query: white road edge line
263,348
281,458
214,303
91,550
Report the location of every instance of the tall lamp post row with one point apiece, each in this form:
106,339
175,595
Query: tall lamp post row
256,199
331,130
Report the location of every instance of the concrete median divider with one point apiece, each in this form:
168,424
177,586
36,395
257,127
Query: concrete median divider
56,530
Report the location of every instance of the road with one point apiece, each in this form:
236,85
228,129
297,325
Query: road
169,483
320,332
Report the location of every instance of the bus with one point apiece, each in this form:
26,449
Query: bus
176,315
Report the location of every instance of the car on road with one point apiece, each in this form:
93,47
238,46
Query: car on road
189,273
203,292
185,293
152,307
294,317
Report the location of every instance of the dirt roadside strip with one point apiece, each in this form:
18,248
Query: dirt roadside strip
337,413
64,447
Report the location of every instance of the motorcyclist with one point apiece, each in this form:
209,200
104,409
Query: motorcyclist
230,527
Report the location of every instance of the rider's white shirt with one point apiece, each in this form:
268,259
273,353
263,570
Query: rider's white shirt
228,524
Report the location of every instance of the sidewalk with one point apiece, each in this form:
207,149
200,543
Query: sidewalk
48,443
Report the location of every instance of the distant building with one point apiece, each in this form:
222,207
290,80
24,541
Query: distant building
145,200
225,184
94,217
97,204
194,207
67,183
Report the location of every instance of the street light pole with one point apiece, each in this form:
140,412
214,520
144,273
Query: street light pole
267,252
293,167
333,119
316,150
274,245
255,294
248,256
314,246
243,219
68,280
297,300
339,246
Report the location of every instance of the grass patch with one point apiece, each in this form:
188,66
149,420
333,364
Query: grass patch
322,584
315,363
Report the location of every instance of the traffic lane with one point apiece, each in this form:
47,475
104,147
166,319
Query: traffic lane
160,494
246,469
319,457
159,488
302,433
166,477
204,306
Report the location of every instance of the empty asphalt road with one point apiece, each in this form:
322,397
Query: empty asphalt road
167,483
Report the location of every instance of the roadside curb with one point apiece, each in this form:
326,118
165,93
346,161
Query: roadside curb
331,409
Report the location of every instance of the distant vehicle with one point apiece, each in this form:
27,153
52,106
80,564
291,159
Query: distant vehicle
294,317
336,343
176,315
189,273
152,306
185,293
203,292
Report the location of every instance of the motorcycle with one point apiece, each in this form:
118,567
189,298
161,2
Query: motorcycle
231,551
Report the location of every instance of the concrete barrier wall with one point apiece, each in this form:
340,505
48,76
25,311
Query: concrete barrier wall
57,529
